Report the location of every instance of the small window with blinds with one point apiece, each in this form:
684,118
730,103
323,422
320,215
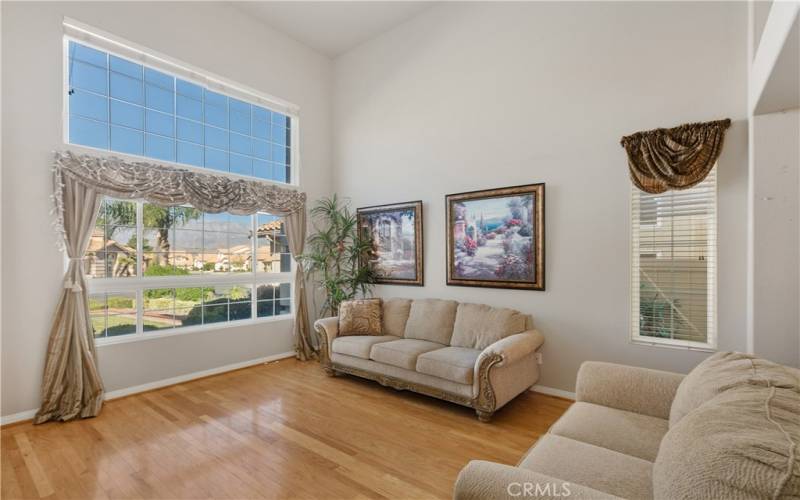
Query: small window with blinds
674,266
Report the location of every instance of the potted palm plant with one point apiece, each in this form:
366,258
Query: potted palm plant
334,256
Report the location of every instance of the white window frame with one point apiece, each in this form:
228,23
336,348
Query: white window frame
95,38
140,283
712,319
100,40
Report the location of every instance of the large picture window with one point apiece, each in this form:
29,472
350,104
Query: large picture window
674,266
117,104
155,269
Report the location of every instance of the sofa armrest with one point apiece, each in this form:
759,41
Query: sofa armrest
481,480
504,355
639,390
514,347
328,329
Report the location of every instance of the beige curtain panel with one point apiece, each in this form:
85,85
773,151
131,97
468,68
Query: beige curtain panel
72,386
296,235
674,158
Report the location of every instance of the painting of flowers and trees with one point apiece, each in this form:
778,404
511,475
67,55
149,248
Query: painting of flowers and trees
495,238
396,235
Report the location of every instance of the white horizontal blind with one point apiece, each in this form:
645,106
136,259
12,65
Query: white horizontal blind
674,265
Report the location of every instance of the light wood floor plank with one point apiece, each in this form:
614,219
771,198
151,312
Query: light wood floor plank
40,479
279,430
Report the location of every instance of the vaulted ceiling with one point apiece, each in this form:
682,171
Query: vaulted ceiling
334,27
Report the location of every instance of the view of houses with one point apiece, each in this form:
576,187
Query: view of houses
188,243
182,241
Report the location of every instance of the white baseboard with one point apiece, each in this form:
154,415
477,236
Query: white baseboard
17,417
29,414
553,392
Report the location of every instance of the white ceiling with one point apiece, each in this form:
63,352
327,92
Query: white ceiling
332,27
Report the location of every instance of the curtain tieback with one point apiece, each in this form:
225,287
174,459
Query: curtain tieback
70,284
73,285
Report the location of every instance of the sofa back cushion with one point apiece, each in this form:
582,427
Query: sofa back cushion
395,316
721,372
477,326
432,320
737,445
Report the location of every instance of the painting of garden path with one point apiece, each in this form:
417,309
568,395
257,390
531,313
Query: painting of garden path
393,241
493,238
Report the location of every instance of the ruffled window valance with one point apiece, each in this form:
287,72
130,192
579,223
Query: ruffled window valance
163,185
674,158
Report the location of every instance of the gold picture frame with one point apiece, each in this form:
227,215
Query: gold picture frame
396,231
495,238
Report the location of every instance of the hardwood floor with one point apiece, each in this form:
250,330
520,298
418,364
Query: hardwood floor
282,429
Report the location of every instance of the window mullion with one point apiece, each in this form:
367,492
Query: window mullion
140,266
139,312
254,266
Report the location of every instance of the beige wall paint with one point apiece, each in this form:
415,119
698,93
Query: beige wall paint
211,36
474,96
776,287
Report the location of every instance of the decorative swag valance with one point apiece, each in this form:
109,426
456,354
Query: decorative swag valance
164,185
674,158
72,386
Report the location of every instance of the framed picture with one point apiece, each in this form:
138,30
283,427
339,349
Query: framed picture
396,234
495,238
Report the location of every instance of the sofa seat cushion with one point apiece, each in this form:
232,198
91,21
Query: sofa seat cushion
402,353
477,326
450,363
618,430
413,378
741,444
723,371
598,468
359,345
431,320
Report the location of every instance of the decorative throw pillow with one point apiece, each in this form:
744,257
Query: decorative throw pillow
360,317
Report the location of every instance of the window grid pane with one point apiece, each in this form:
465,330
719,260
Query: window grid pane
122,106
181,243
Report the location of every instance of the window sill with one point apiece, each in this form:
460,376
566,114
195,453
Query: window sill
667,345
141,337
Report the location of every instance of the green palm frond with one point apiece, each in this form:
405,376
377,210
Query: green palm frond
335,253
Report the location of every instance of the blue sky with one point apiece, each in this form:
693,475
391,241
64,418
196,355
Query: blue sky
122,106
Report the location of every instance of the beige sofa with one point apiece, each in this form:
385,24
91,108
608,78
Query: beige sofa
470,354
730,429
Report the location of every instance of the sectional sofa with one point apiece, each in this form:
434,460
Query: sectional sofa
471,354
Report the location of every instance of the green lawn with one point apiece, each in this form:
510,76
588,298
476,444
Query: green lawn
121,325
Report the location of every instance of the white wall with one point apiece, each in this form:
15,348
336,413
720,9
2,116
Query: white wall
776,287
211,36
474,96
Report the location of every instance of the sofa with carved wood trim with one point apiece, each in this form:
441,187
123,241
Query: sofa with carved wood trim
471,354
